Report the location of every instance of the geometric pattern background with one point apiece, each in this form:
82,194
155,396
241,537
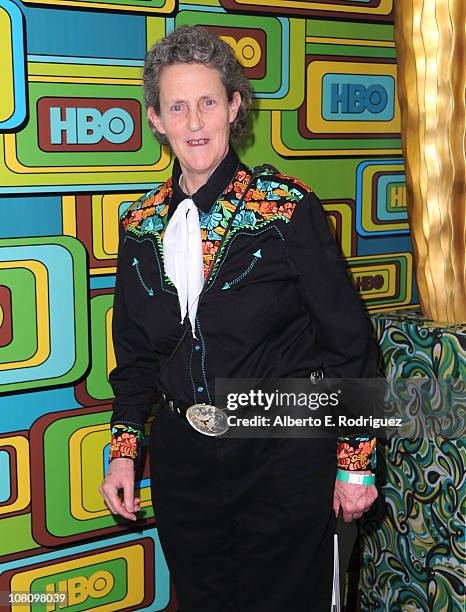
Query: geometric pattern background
413,538
75,150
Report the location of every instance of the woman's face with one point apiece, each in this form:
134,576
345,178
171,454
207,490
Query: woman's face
195,115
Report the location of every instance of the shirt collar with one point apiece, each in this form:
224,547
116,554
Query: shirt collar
206,196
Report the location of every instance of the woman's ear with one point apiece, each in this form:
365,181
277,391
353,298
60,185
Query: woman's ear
155,119
234,105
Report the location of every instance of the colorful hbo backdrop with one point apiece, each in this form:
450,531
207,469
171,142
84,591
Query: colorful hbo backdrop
75,151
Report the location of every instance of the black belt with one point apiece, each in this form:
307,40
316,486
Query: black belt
180,408
176,406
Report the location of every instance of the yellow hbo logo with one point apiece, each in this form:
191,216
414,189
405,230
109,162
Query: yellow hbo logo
79,588
247,50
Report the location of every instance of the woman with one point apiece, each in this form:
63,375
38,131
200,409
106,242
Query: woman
245,524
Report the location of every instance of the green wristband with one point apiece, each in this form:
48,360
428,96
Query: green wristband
355,478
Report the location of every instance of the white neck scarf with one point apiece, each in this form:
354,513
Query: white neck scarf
182,252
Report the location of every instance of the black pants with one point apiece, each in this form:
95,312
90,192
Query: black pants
246,525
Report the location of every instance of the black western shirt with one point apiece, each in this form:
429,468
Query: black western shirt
279,302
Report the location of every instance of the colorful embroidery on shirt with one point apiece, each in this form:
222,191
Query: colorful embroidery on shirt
272,198
125,441
266,200
356,454
266,203
209,248
149,213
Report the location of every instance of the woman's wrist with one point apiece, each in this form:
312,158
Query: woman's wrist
360,478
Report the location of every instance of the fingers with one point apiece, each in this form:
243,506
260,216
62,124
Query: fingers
349,516
114,481
116,506
128,491
121,507
354,499
113,501
110,495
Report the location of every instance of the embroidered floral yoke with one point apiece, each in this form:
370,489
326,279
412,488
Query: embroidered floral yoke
279,302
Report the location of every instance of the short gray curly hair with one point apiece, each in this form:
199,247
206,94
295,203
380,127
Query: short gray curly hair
195,44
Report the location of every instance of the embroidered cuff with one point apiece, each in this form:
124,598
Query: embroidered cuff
356,454
126,441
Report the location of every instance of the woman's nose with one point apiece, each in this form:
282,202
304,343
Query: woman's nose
194,120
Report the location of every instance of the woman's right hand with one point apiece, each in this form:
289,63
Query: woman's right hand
120,475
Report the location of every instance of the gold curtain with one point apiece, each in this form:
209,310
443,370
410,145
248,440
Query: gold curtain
431,47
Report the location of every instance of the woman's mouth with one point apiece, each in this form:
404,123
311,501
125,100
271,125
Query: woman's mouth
198,143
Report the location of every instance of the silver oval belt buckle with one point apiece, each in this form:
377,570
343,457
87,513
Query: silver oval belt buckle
207,419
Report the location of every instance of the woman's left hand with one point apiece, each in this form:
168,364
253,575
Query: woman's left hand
354,499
